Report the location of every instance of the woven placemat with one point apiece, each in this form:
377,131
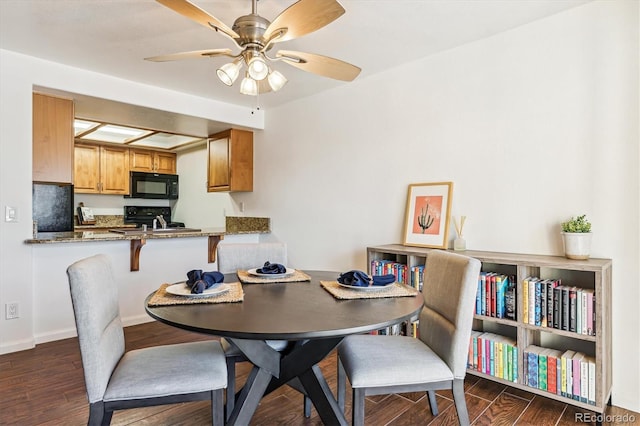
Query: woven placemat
395,290
162,298
247,278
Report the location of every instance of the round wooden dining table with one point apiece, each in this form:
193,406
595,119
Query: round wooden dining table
302,313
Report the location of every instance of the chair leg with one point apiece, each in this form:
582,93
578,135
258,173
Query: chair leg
357,409
231,386
307,406
433,403
97,415
217,407
461,404
342,385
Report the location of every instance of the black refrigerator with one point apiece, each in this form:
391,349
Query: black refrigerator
53,207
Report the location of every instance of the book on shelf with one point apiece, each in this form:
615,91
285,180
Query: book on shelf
532,353
493,354
511,299
525,300
591,393
567,364
572,308
532,300
576,374
496,295
564,309
557,311
551,286
552,370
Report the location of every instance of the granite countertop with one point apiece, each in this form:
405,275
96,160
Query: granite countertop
101,231
105,235
247,225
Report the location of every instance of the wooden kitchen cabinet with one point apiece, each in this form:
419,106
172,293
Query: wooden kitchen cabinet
230,161
52,139
101,169
144,160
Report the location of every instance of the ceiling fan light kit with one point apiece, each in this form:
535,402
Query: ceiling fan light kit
257,68
255,35
228,73
249,86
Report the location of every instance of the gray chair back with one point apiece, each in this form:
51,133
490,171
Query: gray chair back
234,256
95,304
449,292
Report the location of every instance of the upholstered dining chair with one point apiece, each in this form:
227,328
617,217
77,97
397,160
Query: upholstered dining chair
436,360
232,257
158,375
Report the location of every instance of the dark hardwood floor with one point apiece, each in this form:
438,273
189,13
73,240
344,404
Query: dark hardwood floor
45,386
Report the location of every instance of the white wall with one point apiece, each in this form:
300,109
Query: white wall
196,207
533,126
18,75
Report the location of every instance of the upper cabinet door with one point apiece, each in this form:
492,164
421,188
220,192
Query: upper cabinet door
165,162
231,161
144,160
114,168
52,139
87,169
219,176
101,169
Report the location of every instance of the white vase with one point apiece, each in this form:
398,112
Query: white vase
577,245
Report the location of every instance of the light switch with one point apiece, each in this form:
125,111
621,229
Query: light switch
10,214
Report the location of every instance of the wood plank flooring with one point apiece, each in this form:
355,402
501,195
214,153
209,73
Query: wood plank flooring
45,386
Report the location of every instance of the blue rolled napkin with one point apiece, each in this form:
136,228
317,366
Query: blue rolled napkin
199,281
360,279
272,268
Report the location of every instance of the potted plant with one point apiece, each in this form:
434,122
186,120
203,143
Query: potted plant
576,236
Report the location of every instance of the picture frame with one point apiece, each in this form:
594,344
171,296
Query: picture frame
427,215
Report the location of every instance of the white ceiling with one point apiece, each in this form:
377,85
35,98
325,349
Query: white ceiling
113,37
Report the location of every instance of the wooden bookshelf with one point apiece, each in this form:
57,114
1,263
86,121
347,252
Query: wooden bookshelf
587,274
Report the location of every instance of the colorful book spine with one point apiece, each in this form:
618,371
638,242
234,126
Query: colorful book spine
557,311
532,301
589,308
538,302
551,285
552,372
525,300
576,375
591,398
542,369
511,299
532,367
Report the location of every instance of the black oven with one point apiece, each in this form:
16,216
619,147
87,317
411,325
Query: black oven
153,185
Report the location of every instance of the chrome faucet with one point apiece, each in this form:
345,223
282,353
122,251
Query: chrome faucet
160,219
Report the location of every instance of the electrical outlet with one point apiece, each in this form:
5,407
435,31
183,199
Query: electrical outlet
10,214
12,311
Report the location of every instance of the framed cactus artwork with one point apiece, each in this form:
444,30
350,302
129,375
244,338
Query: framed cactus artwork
427,214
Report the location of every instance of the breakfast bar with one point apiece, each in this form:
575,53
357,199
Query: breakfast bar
137,236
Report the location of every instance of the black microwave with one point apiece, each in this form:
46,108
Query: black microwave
153,185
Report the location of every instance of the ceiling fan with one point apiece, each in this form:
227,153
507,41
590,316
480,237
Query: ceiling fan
255,36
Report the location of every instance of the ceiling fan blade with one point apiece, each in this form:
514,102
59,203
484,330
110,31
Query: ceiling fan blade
190,55
321,65
193,12
302,18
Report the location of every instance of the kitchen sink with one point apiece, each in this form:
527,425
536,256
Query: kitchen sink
138,231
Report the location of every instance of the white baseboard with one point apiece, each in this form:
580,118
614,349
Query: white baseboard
17,346
51,336
55,335
135,320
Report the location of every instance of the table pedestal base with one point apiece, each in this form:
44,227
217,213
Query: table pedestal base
297,367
